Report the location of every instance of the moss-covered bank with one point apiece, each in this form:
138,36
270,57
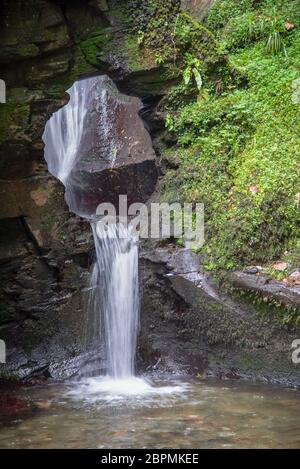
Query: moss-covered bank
237,144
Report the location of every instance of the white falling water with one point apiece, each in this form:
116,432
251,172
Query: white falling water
64,130
114,278
67,134
117,265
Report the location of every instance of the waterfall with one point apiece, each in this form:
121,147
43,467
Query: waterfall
117,264
114,297
98,131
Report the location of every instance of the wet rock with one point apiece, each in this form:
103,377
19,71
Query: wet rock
272,290
101,5
281,266
43,281
85,19
38,29
252,270
200,329
45,251
115,154
293,278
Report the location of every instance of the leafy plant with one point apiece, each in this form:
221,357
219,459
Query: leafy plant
169,122
140,37
240,29
159,60
222,10
192,70
275,44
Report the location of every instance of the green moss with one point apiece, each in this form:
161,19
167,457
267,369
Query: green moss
29,50
153,21
132,53
284,315
8,379
239,149
48,222
95,44
14,113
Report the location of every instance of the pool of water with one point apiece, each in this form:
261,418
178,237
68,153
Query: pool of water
100,413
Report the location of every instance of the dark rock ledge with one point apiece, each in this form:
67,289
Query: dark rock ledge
189,326
270,289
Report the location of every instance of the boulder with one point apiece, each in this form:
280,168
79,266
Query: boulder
285,294
188,325
112,151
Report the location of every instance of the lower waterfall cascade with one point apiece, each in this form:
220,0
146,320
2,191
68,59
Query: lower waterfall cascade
117,264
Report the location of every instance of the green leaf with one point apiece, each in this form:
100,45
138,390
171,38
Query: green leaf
198,78
187,73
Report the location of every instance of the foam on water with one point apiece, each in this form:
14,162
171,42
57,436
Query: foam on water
134,391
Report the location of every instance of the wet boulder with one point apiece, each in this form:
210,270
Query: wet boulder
98,146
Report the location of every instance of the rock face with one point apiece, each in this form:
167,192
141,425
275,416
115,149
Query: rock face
46,251
285,294
189,326
42,291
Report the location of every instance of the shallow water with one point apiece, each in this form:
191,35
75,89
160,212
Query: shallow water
100,413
